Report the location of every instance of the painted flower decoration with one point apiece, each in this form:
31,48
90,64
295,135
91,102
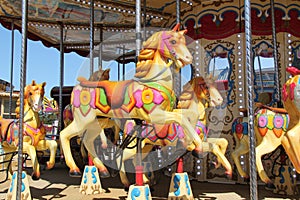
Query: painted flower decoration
239,128
278,121
262,121
84,99
147,96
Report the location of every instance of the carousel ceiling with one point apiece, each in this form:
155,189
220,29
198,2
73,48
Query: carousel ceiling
114,20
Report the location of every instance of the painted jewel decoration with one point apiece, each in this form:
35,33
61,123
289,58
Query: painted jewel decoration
270,121
148,99
84,98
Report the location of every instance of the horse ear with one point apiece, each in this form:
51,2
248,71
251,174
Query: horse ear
33,82
183,32
43,84
176,27
107,70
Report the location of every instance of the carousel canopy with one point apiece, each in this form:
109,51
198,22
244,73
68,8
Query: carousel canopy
114,20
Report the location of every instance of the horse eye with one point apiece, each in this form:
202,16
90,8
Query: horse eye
30,93
173,41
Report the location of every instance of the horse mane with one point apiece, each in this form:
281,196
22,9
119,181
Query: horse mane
194,87
146,55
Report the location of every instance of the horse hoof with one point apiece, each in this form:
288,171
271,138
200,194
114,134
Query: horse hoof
247,179
228,175
126,188
270,186
49,166
75,173
35,177
197,154
113,172
104,174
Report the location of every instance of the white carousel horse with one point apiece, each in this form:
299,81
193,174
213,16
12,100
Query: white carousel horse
34,131
195,93
149,96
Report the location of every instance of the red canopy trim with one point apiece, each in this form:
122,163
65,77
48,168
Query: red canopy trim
208,27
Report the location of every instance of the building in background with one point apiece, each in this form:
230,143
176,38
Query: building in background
5,88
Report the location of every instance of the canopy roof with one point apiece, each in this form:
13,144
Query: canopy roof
210,19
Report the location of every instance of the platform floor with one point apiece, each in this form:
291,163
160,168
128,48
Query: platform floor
56,184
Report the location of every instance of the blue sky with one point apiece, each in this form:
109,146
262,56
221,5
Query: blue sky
43,63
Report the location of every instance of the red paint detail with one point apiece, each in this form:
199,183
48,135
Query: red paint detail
90,161
284,93
180,165
293,71
139,175
292,88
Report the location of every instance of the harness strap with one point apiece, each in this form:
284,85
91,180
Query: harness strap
6,131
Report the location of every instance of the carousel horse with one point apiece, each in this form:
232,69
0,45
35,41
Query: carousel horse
195,95
272,127
99,75
148,97
34,131
291,99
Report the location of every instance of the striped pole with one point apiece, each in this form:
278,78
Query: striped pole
249,69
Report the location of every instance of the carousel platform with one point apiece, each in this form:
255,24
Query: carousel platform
56,184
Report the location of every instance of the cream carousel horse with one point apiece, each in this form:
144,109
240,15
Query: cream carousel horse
34,131
149,96
99,75
273,127
195,94
291,102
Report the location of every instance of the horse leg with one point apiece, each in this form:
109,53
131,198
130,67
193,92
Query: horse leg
88,141
164,117
242,149
291,154
31,151
221,144
127,154
65,135
43,145
8,157
293,137
52,146
223,160
266,146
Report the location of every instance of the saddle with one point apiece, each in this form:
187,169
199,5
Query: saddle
277,110
114,90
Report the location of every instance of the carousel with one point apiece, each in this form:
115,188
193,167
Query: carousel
213,97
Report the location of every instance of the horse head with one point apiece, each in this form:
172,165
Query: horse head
34,94
172,46
205,89
100,75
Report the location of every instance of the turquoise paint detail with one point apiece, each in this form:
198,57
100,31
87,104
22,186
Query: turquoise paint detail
135,193
147,193
282,180
23,185
94,169
186,180
176,180
85,175
12,182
